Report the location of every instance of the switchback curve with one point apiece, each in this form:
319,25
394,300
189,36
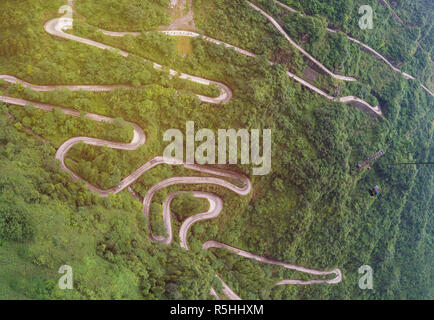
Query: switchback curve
216,206
55,27
368,48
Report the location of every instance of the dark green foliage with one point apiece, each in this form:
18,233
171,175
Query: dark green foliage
15,222
186,204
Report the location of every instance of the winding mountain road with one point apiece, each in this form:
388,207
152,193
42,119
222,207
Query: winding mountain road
46,88
245,190
280,29
181,33
216,206
368,48
363,105
55,27
214,244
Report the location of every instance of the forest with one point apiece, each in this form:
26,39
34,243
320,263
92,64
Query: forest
313,209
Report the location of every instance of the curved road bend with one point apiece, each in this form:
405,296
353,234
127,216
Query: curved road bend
280,29
214,244
216,206
45,88
368,48
55,28
186,180
347,100
139,138
223,98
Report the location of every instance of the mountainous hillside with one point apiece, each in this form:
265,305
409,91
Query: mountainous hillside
84,115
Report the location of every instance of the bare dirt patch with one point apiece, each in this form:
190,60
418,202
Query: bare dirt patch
310,74
182,15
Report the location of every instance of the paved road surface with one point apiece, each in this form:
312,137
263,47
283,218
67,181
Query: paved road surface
214,244
368,48
280,29
348,100
45,88
216,206
55,27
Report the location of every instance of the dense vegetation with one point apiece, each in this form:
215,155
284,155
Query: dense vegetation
116,15
313,209
400,43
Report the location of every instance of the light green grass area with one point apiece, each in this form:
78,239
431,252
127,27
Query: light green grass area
17,274
184,46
